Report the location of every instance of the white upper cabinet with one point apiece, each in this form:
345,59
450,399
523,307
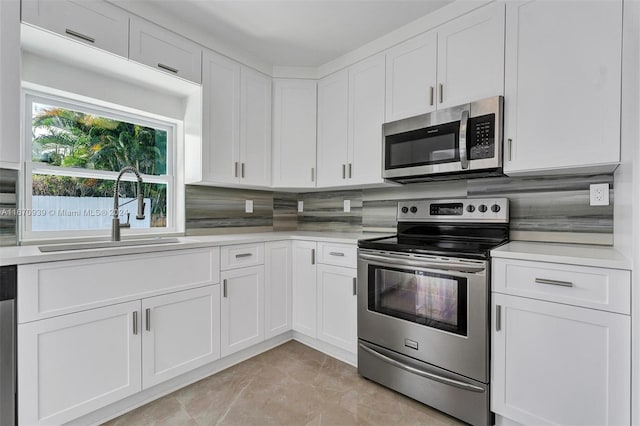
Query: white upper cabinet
255,128
333,127
10,84
236,125
350,116
411,77
459,62
95,23
562,86
366,115
164,50
471,57
294,133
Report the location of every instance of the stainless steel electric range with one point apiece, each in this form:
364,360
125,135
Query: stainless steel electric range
423,303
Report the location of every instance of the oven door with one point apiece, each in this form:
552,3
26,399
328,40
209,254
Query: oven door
431,309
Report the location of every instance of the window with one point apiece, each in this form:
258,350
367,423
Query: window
74,153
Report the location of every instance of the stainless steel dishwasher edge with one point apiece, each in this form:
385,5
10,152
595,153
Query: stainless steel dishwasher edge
8,290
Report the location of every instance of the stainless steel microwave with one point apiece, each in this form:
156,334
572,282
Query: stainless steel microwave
459,142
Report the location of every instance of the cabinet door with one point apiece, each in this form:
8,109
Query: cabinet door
220,119
181,331
255,128
277,288
158,48
411,77
242,309
294,133
10,84
366,115
562,85
337,306
557,364
471,57
304,287
333,100
95,22
74,364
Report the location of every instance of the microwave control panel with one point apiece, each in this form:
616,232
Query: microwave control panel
481,141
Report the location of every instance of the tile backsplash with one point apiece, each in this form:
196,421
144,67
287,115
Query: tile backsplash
542,208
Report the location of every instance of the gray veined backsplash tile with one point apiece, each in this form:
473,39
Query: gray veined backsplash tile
285,211
8,204
324,211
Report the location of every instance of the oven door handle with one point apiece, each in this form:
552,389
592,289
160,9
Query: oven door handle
427,264
462,145
422,373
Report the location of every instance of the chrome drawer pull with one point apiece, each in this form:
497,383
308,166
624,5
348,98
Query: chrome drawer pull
168,68
224,288
554,282
80,36
313,256
498,317
355,286
135,322
243,255
147,319
336,253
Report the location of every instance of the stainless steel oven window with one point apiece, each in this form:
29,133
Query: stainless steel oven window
432,299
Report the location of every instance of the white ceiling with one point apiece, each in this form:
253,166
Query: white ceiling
298,33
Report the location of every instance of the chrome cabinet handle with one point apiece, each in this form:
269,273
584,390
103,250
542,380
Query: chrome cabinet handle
243,255
344,172
419,372
498,317
224,288
554,282
441,92
509,145
431,95
147,319
242,170
355,283
80,36
235,168
336,253
350,167
168,68
313,174
464,160
313,256
135,322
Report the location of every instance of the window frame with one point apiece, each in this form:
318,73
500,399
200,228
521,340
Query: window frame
106,110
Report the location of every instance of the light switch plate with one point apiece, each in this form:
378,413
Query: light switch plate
248,206
599,194
347,206
300,206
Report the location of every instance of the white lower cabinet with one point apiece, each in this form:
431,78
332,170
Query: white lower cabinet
74,364
277,288
242,308
555,364
181,331
304,287
337,306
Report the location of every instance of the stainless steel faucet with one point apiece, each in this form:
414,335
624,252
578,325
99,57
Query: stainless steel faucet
115,223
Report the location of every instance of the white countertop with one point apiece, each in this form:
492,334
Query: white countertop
21,255
573,254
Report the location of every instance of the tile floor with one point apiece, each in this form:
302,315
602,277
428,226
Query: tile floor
288,385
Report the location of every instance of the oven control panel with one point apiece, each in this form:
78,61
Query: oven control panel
455,210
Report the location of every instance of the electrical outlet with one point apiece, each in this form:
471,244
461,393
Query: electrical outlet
599,194
347,206
248,206
300,206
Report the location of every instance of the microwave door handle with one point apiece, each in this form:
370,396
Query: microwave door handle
464,160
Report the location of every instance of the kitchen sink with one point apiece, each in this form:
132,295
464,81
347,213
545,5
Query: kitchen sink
106,244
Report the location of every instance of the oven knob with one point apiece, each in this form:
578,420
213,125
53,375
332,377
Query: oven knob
405,209
414,209
495,208
471,208
482,208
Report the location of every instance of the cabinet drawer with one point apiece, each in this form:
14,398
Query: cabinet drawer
163,50
598,288
338,254
241,255
95,23
56,288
